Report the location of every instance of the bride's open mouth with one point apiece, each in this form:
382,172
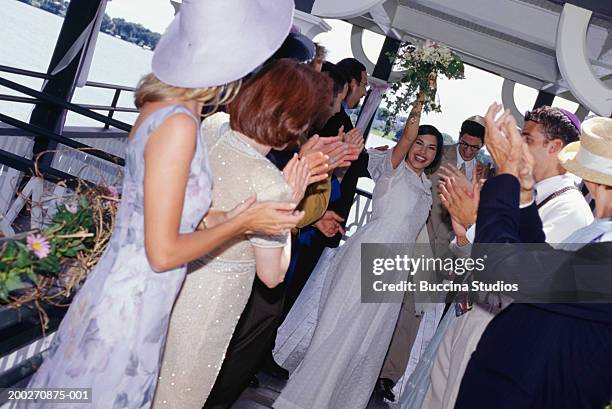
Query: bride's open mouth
419,158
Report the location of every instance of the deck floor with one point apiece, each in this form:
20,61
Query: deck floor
293,340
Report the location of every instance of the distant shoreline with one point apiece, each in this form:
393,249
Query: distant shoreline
116,27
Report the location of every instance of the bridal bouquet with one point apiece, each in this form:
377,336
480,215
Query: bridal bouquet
422,64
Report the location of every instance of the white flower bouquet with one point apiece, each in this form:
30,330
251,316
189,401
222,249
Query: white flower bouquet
422,64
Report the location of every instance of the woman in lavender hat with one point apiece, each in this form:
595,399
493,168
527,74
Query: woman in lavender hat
112,335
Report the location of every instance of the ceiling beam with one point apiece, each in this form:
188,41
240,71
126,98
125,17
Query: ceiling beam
501,53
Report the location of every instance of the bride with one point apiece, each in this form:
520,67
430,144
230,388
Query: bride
351,338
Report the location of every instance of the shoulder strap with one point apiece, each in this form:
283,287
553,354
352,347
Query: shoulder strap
556,194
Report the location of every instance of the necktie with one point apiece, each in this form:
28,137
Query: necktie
462,168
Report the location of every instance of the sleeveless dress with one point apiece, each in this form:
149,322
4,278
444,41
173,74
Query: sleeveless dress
112,336
217,286
351,338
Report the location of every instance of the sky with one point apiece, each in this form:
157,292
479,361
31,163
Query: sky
460,99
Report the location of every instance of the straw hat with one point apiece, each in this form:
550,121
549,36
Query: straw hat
213,42
591,157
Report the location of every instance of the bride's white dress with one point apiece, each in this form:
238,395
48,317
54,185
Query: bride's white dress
351,339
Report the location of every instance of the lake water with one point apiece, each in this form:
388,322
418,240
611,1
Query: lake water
27,39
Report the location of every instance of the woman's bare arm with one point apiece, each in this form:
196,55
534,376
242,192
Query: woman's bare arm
272,263
411,130
168,156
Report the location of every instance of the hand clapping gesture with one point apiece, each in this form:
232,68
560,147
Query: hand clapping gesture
503,140
525,175
297,174
260,217
459,195
330,224
508,149
338,152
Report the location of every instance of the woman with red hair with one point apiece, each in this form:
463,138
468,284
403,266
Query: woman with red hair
272,110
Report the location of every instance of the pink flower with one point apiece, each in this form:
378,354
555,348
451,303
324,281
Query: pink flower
71,208
39,245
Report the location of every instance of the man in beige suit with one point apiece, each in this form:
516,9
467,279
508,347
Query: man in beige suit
463,156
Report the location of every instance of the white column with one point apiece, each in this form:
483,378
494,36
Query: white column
574,62
377,91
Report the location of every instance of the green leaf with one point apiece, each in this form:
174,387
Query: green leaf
10,250
14,283
24,257
73,251
49,264
83,202
32,276
3,293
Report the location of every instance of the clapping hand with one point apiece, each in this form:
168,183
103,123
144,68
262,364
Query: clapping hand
460,198
338,152
317,165
526,175
449,171
330,224
355,137
317,144
459,229
270,217
503,141
297,174
481,171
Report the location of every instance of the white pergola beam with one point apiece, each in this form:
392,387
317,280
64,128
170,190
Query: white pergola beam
518,19
343,9
501,53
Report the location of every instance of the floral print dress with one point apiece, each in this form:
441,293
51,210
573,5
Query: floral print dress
114,332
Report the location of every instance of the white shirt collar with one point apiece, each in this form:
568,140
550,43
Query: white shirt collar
460,159
547,187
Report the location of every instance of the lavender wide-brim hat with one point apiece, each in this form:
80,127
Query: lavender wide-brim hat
213,42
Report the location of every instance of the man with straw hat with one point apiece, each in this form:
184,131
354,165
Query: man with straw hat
555,355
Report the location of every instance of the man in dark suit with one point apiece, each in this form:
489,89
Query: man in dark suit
357,89
555,355
339,207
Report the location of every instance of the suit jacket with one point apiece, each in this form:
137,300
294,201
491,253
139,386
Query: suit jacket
315,202
439,225
586,272
316,198
348,187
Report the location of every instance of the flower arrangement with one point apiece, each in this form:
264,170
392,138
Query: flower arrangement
46,266
422,64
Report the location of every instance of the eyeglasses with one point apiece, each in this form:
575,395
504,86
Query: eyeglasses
468,146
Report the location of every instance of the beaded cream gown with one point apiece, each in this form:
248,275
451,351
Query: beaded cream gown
218,286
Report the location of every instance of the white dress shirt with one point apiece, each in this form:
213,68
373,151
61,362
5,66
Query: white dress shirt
564,214
561,216
469,165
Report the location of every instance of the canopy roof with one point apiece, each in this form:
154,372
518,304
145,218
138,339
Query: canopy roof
532,42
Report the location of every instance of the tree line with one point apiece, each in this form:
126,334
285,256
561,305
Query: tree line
117,27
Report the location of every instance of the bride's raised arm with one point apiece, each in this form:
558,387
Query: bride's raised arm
410,132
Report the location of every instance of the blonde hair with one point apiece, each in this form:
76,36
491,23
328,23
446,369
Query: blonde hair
151,89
